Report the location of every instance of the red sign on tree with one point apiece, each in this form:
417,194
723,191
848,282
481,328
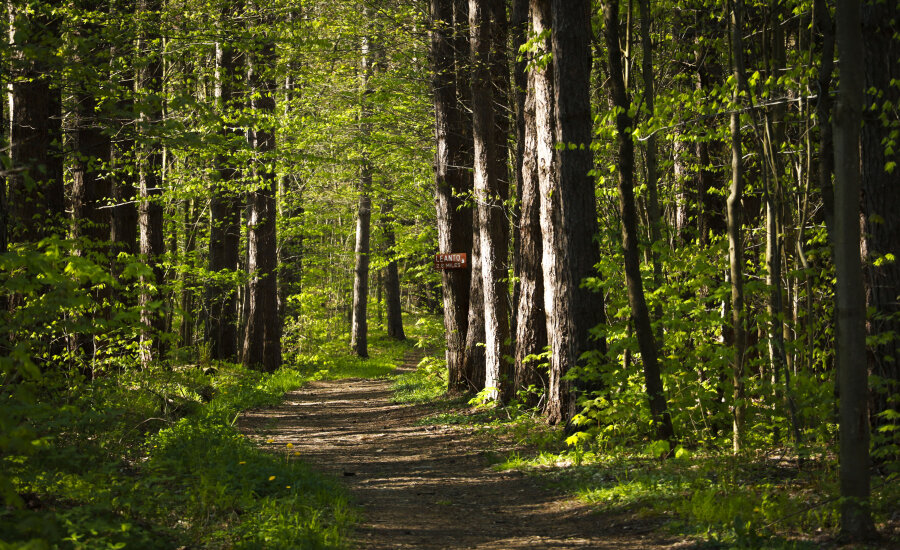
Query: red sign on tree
451,261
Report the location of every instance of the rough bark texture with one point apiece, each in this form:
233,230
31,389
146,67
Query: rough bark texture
487,27
881,204
452,179
225,221
473,372
628,212
36,199
531,322
856,522
735,243
262,336
568,209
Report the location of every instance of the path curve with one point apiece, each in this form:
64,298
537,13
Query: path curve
428,487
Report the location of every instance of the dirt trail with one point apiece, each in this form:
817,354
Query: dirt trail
429,487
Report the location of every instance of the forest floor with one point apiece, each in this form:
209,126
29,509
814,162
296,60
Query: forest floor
425,486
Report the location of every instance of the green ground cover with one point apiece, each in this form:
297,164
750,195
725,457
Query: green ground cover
151,459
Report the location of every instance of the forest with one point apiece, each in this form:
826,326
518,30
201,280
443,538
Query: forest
678,221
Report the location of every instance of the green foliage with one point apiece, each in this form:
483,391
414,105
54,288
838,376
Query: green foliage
139,460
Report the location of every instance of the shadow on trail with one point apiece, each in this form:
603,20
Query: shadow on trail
428,486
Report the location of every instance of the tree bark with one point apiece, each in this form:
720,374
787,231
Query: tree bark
640,314
487,27
735,244
225,216
150,208
568,206
881,204
856,521
531,323
262,336
36,197
452,179
391,274
359,325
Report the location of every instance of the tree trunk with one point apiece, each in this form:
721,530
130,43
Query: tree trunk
487,26
359,325
568,206
735,244
856,521
531,323
36,197
262,336
825,34
225,220
452,179
150,208
653,211
391,275
881,204
662,422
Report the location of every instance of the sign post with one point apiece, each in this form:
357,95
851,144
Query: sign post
451,261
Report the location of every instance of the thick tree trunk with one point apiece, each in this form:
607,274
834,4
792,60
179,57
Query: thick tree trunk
881,204
262,336
568,206
735,243
225,221
662,422
452,179
487,22
856,521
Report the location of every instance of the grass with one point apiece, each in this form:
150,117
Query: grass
150,459
754,500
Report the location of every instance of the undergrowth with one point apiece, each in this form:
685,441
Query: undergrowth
151,459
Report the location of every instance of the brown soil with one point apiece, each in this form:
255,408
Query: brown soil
430,486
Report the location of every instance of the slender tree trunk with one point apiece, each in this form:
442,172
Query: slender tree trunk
518,29
825,35
225,218
735,244
531,323
359,325
640,314
452,179
856,521
653,211
474,363
150,208
262,336
391,276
